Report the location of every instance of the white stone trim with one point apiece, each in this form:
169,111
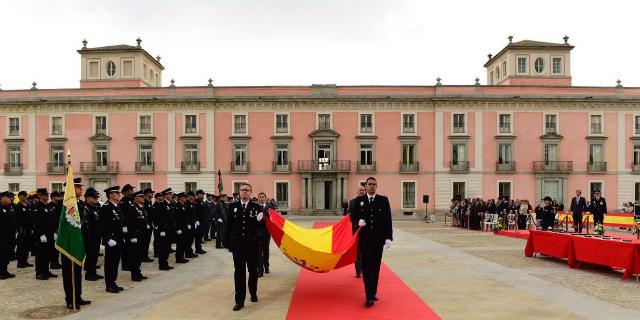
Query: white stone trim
275,123
622,155
415,124
479,140
544,121
466,123
184,123
138,115
439,142
330,113
415,196
602,123
512,196
373,123
56,115
210,145
510,114
171,141
106,115
233,127
31,141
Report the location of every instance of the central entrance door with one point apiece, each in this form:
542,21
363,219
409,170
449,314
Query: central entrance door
323,191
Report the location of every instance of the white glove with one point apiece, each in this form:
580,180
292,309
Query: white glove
260,216
197,224
387,244
43,238
219,220
162,234
148,227
111,243
55,236
155,228
189,226
362,223
134,240
179,232
125,230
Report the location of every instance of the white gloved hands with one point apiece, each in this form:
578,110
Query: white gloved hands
134,240
148,227
197,224
179,232
55,236
43,238
162,233
125,230
219,220
387,243
361,223
260,216
111,243
189,226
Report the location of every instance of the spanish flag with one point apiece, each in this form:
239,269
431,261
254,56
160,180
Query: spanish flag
319,250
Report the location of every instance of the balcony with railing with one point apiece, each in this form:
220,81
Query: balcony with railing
635,167
458,129
596,128
552,166
240,167
190,166
99,167
56,168
13,169
366,166
504,128
596,167
458,166
409,166
282,166
505,166
145,167
324,166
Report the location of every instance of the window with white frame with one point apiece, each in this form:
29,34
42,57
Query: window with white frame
504,190
236,186
504,123
324,121
145,124
240,124
408,154
636,154
94,71
240,154
144,185
458,153
458,191
596,124
366,154
145,154
595,186
636,125
556,65
521,65
190,186
57,155
282,123
458,123
539,65
56,126
408,194
57,186
282,154
366,123
191,151
14,127
191,124
14,187
101,125
550,153
15,157
127,68
282,194
505,153
408,123
596,153
101,155
550,123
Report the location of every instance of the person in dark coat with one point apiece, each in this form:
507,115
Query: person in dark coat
91,234
242,241
125,202
598,207
163,222
547,214
264,237
578,206
137,229
7,232
44,234
374,215
25,230
55,210
148,209
112,237
181,220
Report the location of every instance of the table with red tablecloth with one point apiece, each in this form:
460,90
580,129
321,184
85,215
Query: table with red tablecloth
576,249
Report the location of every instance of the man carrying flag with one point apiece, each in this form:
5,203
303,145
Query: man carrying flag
71,245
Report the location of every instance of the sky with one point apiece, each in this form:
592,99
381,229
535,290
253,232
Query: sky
304,42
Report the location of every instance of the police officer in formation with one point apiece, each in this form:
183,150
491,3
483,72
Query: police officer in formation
374,216
25,230
91,233
163,228
242,241
136,223
264,237
112,228
598,207
354,228
548,214
7,232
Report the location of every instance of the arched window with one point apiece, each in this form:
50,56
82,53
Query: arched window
111,69
539,65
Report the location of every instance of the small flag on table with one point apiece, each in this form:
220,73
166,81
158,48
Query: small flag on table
69,240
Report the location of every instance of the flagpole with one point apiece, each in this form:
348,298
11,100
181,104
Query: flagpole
73,274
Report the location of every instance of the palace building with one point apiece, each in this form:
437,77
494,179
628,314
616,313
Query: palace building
527,134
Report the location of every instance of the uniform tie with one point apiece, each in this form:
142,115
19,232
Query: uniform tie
244,206
370,200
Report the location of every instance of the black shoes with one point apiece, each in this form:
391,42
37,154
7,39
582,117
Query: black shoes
260,274
238,307
7,275
113,290
182,261
70,306
147,259
42,277
201,252
375,298
254,298
358,275
55,266
83,302
369,303
52,275
266,270
165,268
24,265
93,277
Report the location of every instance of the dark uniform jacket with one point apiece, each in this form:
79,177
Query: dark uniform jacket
110,223
91,222
598,206
377,216
163,217
23,218
242,225
42,226
181,217
136,222
262,230
7,224
578,206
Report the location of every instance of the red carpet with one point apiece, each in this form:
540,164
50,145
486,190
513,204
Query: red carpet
340,295
520,234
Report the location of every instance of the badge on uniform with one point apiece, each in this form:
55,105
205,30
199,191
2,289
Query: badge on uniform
235,209
361,203
601,203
